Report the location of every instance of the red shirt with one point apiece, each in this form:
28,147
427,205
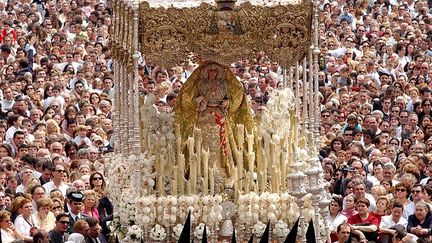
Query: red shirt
371,219
377,216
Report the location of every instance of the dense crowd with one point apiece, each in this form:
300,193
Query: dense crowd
56,96
376,131
56,100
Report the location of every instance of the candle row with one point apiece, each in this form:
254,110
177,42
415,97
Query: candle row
261,168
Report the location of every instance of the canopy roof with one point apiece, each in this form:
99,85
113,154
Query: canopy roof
196,3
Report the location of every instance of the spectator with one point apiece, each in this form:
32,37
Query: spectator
395,218
420,223
43,218
364,217
59,233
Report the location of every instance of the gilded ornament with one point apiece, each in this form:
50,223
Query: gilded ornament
226,33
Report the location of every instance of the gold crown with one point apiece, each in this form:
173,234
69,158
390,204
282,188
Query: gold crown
225,1
225,4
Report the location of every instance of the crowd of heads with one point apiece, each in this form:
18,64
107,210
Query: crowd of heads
56,94
376,120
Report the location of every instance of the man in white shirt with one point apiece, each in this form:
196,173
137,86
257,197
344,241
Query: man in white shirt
57,181
8,100
14,122
360,191
395,218
416,194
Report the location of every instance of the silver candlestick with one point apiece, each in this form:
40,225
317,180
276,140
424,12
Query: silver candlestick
323,204
314,188
298,191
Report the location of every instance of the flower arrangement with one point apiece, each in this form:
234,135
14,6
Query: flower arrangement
268,206
146,210
167,210
211,209
157,233
258,229
281,229
134,233
177,231
199,231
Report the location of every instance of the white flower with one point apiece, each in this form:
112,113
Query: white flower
302,154
281,229
157,233
258,229
199,231
134,232
177,231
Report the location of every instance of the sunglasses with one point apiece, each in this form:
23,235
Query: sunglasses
97,178
401,190
64,222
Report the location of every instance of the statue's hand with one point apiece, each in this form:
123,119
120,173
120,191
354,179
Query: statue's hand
202,103
225,105
199,99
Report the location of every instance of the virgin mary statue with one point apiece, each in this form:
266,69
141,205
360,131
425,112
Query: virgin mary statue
213,100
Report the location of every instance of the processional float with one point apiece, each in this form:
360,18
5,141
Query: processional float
163,166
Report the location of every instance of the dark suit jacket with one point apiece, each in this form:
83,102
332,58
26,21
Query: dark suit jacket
101,239
73,221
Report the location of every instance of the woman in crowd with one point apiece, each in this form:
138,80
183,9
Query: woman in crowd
25,223
401,193
5,150
8,231
364,221
43,218
57,206
382,206
337,144
335,217
350,204
71,149
97,183
420,223
90,204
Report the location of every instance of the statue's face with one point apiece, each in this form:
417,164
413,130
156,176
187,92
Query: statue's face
212,73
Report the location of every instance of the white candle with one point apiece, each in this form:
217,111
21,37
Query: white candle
283,169
193,173
198,145
212,181
160,184
295,127
188,187
251,161
247,183
236,181
250,142
190,143
277,180
181,173
240,136
178,139
262,182
240,170
206,155
174,181
272,155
